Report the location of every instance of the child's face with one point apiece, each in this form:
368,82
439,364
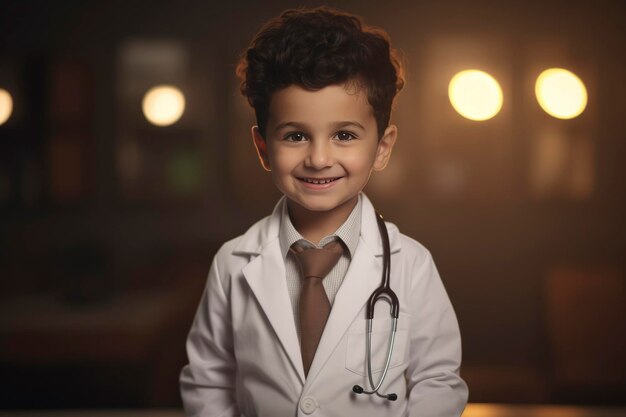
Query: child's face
326,134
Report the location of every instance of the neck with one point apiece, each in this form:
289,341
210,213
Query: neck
315,225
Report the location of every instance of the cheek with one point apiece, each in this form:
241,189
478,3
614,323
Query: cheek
284,161
360,162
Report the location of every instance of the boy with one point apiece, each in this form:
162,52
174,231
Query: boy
270,337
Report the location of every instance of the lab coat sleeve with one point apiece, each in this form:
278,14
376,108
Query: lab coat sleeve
207,382
434,385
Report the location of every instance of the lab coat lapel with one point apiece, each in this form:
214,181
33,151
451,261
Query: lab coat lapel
362,278
265,275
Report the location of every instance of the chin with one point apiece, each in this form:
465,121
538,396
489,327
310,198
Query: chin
316,207
321,204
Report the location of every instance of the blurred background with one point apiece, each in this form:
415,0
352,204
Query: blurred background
126,161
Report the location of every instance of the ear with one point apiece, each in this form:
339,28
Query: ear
385,146
261,148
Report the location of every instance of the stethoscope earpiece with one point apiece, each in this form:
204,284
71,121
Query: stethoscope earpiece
359,390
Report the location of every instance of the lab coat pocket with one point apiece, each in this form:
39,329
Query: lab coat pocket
356,359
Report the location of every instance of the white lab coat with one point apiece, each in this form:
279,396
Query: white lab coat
243,349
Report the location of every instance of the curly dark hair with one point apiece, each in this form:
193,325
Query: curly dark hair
314,48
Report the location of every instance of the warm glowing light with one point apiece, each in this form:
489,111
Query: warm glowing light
163,105
561,93
6,105
475,95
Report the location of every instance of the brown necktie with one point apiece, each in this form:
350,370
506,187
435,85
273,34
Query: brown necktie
314,306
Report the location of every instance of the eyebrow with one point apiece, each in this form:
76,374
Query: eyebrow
334,125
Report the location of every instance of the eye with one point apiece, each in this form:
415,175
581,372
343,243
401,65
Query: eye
295,137
345,136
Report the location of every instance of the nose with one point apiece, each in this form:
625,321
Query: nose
319,154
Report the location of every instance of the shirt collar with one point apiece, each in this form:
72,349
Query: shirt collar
349,232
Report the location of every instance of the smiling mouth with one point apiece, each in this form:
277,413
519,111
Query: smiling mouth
319,181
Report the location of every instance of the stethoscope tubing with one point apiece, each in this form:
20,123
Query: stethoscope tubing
392,338
384,293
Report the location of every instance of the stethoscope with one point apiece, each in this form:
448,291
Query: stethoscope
385,293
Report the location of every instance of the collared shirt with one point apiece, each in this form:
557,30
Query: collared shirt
349,232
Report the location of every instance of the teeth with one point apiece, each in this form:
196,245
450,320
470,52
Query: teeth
318,182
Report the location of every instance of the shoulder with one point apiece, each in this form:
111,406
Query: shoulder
418,263
412,249
244,245
237,245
